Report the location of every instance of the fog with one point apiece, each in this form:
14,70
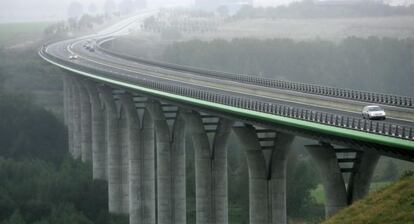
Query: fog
52,10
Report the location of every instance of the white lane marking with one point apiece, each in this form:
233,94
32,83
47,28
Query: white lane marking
77,41
212,87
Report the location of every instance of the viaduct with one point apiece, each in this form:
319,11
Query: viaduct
131,117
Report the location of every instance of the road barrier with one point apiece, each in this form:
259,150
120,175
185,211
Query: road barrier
349,94
331,119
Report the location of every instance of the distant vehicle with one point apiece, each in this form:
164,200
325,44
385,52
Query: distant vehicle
73,57
373,112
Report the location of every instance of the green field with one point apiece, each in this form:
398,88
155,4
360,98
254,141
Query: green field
20,31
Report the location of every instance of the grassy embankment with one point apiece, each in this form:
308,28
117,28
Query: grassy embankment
394,204
319,196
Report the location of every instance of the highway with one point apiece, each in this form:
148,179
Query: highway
130,71
132,118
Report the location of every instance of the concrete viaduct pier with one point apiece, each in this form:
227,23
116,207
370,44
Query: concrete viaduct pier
138,145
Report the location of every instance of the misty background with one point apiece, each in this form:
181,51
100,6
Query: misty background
53,10
351,45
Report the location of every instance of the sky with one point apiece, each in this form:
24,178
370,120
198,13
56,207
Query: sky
22,10
53,10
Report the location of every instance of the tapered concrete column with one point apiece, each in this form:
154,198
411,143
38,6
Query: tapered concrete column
267,183
278,166
219,161
165,198
99,152
147,206
86,123
136,161
70,113
203,170
76,117
333,182
361,180
178,171
66,98
124,144
210,171
114,153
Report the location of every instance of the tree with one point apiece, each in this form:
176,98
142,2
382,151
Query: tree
86,21
390,172
171,34
126,6
26,130
16,218
223,11
110,7
92,8
75,10
300,182
67,214
2,78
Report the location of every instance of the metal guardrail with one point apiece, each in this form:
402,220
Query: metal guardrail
359,124
349,94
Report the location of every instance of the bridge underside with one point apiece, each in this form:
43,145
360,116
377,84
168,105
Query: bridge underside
137,143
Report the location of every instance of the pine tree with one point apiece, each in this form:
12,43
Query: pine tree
16,218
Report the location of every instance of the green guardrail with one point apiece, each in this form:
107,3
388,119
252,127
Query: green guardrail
307,125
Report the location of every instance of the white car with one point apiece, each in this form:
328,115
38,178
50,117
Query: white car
373,112
73,57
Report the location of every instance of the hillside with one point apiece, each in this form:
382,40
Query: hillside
394,204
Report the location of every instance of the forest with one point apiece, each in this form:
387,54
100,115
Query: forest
373,64
313,9
40,182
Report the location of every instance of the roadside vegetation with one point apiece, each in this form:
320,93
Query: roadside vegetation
371,64
42,184
315,9
393,204
14,32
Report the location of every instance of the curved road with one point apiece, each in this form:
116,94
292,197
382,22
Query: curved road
131,72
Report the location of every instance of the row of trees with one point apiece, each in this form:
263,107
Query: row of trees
373,64
81,19
76,9
312,9
178,20
86,21
186,25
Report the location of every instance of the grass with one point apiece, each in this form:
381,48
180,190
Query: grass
319,195
394,204
11,31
